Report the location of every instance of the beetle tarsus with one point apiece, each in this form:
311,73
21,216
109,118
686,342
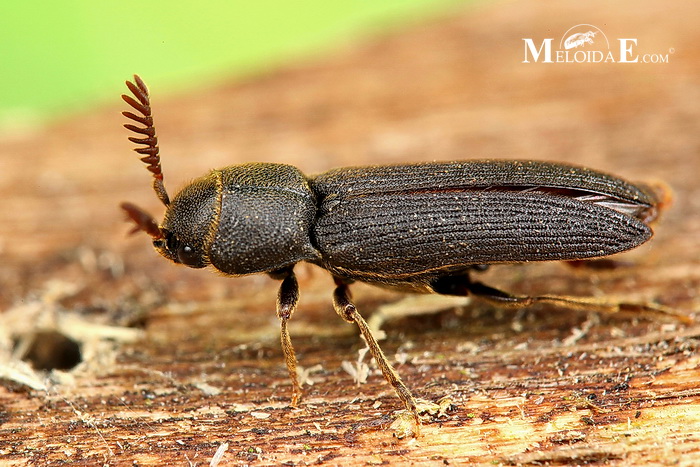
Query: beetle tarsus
342,303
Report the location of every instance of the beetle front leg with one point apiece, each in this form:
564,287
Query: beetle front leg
348,311
287,299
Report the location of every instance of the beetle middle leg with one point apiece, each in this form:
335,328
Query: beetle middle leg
462,285
348,311
287,299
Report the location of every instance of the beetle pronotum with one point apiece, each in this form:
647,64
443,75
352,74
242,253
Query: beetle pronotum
419,227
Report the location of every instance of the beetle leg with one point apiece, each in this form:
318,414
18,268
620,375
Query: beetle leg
347,310
600,305
286,304
455,284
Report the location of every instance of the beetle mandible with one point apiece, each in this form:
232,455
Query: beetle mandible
420,227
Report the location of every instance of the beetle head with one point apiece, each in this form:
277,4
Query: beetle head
181,239
188,221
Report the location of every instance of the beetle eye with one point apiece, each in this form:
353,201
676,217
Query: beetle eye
187,255
184,253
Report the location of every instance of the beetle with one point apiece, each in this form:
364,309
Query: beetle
420,227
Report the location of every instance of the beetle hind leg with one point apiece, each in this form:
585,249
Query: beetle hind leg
462,285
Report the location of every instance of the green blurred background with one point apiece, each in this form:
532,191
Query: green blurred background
63,57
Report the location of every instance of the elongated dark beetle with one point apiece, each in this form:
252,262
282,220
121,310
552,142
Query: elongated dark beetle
419,227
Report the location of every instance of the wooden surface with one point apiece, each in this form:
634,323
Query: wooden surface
179,362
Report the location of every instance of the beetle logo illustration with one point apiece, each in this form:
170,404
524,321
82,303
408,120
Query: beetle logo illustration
583,34
579,39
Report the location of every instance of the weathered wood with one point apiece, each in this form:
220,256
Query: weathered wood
179,362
